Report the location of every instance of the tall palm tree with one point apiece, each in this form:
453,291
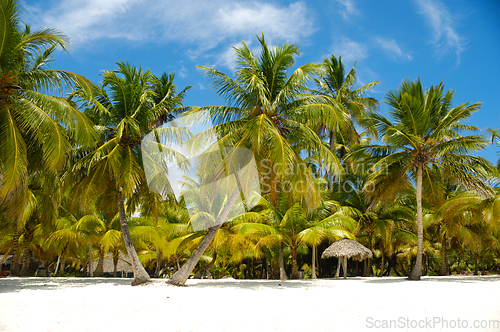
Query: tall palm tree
265,116
347,104
130,104
35,127
426,131
30,119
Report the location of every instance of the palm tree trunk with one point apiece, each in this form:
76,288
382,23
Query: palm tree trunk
140,275
26,261
369,269
91,271
283,275
313,274
264,268
476,269
345,266
333,134
426,270
99,270
295,269
179,278
116,257
416,272
14,269
158,263
177,267
382,265
339,263
57,264
443,269
63,260
403,267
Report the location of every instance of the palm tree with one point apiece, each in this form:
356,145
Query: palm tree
288,224
35,128
265,116
426,131
347,105
131,103
31,120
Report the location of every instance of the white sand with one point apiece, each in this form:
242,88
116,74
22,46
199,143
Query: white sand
104,304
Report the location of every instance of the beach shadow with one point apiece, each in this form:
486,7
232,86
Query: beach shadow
12,285
253,284
446,279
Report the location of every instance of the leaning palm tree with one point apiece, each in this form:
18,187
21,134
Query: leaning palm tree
426,131
265,116
130,104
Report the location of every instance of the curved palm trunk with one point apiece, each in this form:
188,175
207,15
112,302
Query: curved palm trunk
295,269
416,272
313,274
99,270
179,278
283,275
140,275
57,264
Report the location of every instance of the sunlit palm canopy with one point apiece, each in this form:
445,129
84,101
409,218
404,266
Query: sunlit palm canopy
264,114
426,130
30,119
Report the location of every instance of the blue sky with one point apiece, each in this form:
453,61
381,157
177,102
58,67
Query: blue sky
457,42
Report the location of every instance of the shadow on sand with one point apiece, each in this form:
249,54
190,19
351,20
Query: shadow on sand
10,285
449,279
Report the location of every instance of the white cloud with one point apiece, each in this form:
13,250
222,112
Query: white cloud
204,23
350,50
89,19
441,21
348,8
390,46
227,59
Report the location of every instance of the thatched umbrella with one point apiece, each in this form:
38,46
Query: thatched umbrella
346,248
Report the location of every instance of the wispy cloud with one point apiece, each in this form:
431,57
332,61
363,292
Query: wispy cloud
350,50
205,24
348,8
88,19
392,48
445,37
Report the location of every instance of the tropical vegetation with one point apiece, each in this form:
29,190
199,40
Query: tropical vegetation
75,192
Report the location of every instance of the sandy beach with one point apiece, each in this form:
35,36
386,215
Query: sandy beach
355,304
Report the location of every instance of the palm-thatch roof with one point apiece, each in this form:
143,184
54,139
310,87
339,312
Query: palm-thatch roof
348,248
123,264
108,266
6,259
